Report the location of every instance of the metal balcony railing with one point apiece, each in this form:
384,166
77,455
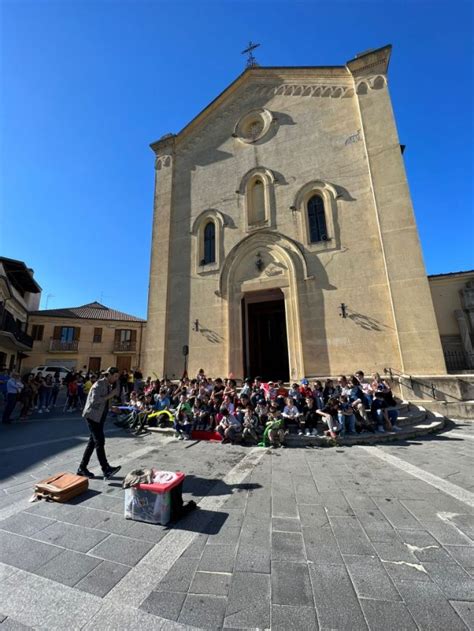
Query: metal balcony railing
127,346
8,324
60,346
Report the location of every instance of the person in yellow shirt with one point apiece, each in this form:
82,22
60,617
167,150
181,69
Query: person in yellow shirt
89,383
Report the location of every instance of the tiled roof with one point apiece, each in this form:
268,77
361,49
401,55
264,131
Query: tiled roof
468,271
91,311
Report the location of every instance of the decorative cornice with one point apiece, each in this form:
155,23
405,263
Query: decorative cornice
372,62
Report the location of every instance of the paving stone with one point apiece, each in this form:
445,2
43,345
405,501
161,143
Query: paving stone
360,503
286,524
179,577
253,558
429,606
100,501
121,550
164,604
452,579
232,534
376,527
204,612
218,558
44,604
25,523
68,567
384,614
332,587
464,555
350,536
284,506
465,610
195,550
409,571
71,537
213,583
288,546
423,546
394,551
335,504
446,533
291,584
102,578
25,553
10,624
397,514
288,618
249,601
147,532
321,546
312,516
117,617
370,578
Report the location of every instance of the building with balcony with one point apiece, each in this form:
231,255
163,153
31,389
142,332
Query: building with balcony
90,337
19,293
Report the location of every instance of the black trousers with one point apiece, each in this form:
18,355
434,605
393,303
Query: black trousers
97,442
9,407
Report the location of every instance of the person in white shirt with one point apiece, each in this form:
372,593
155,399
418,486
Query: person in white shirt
14,387
229,426
291,414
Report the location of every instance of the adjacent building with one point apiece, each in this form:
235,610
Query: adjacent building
284,237
19,293
453,300
91,336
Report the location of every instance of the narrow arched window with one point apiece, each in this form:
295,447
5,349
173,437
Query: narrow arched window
257,203
316,219
209,243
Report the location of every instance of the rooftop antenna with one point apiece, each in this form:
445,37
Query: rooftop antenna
251,61
48,296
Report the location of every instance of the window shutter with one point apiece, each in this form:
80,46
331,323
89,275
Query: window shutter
134,336
57,333
77,333
117,335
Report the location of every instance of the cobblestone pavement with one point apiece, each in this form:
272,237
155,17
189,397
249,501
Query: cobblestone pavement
342,538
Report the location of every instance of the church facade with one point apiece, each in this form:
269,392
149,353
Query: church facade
284,238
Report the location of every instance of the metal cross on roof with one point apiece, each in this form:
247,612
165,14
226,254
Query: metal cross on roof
251,61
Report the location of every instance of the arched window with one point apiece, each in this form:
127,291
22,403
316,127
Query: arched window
316,219
257,202
209,243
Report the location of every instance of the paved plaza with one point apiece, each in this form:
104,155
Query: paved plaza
377,537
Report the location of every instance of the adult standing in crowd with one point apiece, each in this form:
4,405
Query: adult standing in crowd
95,412
14,387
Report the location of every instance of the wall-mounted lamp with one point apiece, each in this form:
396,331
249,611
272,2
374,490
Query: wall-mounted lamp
196,325
293,209
259,262
343,310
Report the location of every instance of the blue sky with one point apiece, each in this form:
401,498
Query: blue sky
87,85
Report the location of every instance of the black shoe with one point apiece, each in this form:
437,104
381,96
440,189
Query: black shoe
110,472
85,473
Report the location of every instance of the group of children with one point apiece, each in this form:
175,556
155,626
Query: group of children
261,412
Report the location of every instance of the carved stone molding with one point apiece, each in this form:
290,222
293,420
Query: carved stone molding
163,162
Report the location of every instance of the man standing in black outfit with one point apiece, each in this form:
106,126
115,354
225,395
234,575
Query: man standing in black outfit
95,412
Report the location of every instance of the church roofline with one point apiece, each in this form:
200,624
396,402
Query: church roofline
361,64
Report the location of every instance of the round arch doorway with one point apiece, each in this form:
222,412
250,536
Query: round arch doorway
264,335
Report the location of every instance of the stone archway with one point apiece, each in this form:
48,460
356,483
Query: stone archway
263,261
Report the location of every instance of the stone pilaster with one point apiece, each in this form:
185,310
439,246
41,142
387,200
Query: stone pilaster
155,342
413,314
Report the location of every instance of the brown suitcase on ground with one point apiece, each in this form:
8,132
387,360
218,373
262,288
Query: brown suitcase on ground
61,487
